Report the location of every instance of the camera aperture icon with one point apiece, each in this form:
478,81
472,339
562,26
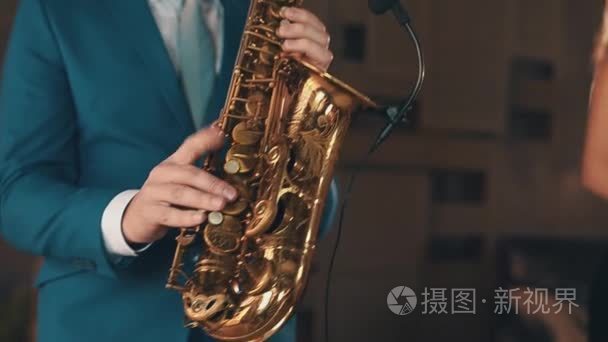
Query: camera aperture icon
401,300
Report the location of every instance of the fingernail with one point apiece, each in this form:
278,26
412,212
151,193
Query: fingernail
230,194
283,11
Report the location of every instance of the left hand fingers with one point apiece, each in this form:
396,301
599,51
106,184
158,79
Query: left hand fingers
302,16
289,30
313,52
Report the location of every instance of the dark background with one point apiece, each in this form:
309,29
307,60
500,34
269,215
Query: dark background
482,189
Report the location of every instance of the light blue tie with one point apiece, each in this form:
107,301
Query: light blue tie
196,56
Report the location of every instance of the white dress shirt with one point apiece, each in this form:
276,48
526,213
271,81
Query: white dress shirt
166,13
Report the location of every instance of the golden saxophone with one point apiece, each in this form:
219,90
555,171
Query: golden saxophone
285,121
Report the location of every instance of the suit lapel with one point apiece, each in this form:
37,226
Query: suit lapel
135,22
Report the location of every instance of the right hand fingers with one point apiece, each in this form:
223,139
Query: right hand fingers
205,140
193,177
174,217
185,196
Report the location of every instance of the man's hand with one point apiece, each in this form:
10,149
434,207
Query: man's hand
305,36
177,193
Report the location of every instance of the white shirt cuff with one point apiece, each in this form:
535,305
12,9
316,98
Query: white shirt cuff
111,226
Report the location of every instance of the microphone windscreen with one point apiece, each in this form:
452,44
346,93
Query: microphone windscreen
381,6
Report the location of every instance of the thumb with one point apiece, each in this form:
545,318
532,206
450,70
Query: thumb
201,142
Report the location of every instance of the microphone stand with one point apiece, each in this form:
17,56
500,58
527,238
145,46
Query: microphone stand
398,114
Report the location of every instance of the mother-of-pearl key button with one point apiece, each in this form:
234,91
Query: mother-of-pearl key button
216,218
232,167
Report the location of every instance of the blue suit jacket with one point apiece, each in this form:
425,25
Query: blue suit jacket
89,104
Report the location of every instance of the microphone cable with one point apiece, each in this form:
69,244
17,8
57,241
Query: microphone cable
349,188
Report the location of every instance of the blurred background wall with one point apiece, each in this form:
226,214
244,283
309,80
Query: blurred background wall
488,164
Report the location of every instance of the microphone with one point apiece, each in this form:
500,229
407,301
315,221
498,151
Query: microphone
397,115
380,7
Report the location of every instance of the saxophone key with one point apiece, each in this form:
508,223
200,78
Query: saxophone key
232,166
240,159
236,208
256,104
228,224
220,241
216,218
244,135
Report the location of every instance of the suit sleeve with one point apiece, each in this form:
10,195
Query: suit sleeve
43,210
